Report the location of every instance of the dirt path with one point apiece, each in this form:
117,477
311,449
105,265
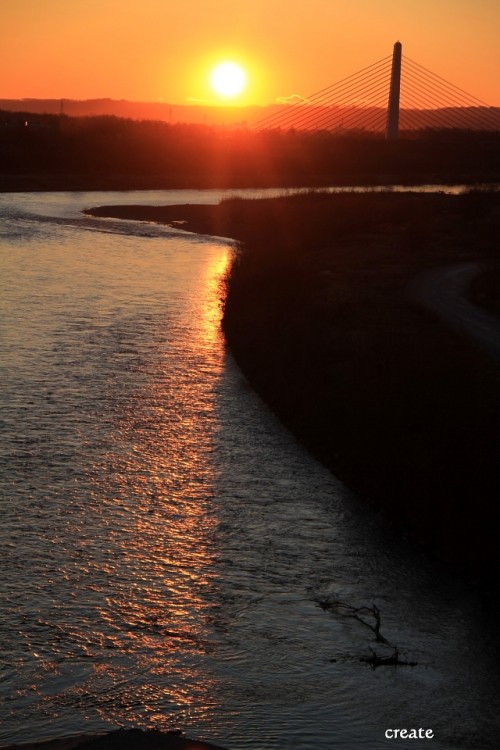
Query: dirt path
443,290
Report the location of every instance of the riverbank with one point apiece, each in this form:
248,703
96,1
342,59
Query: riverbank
402,409
47,182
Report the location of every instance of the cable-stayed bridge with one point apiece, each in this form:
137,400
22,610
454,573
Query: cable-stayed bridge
392,96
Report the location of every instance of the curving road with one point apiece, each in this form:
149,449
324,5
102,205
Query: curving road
443,291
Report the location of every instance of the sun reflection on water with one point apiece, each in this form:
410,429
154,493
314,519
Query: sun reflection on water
157,489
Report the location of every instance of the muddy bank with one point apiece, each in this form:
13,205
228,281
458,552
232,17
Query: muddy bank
405,410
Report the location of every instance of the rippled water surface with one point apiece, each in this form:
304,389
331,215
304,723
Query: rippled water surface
164,542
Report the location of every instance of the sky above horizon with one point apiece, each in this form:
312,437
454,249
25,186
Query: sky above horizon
164,50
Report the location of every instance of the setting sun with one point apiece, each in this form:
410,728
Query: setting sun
228,79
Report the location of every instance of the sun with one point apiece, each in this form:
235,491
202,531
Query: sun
228,79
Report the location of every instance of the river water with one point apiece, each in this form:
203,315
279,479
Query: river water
164,541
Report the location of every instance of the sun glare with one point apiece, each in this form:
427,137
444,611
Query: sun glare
228,79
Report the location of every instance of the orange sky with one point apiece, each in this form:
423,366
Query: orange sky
151,50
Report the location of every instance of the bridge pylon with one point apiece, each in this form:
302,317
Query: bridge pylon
392,126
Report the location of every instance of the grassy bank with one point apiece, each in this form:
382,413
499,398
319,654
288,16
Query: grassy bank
402,409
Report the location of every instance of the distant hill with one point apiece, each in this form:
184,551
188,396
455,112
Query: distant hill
301,116
174,113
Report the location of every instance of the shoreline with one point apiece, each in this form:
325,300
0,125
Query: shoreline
75,182
404,410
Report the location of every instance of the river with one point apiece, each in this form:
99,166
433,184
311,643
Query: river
165,542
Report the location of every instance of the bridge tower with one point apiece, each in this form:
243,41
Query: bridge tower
392,126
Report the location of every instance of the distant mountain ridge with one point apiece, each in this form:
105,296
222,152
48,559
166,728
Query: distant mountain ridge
273,116
162,111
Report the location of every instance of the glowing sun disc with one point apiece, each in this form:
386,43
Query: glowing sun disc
228,79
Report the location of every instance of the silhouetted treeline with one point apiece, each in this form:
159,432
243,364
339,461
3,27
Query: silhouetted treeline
159,154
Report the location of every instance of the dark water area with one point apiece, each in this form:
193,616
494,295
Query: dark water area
165,542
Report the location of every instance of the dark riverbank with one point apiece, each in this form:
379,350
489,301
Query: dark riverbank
401,408
46,182
131,739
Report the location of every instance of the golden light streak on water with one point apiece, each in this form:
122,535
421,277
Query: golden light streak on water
211,311
167,540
